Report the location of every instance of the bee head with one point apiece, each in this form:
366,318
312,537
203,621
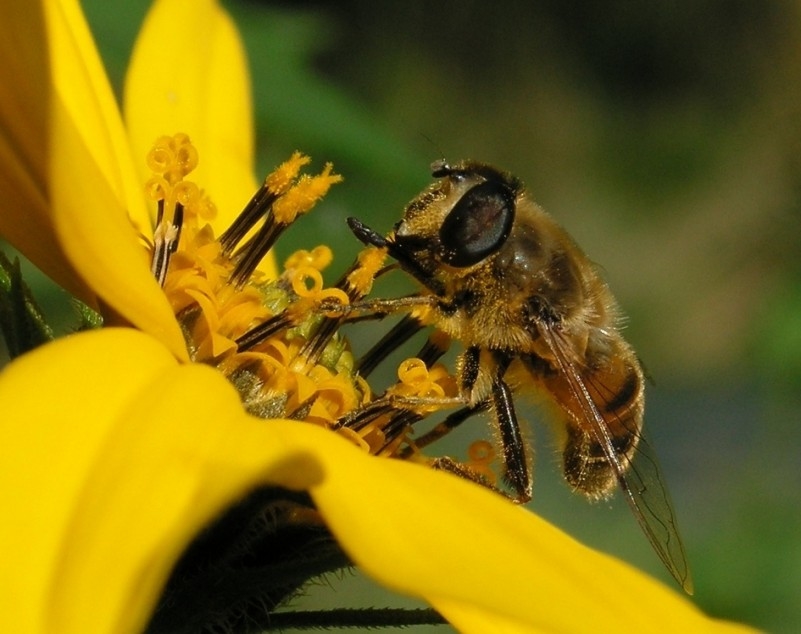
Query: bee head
462,218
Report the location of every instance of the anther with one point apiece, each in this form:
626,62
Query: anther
165,242
400,422
433,349
171,158
254,250
256,208
356,283
359,418
400,333
264,331
282,197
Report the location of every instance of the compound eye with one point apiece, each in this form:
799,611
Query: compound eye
478,224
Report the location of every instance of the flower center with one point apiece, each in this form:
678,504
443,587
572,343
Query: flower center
278,340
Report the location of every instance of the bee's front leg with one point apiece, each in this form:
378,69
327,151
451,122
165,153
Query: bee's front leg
377,308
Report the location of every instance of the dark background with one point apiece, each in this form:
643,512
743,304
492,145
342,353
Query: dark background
666,138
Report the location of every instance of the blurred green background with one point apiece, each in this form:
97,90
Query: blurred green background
667,138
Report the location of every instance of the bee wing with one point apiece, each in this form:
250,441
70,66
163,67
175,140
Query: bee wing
641,480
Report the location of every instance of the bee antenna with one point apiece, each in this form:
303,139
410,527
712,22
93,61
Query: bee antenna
433,144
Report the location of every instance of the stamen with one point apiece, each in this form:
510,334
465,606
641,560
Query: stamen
396,430
433,349
264,331
436,345
165,243
258,205
173,157
283,197
419,391
170,159
450,423
278,341
416,383
318,258
352,286
361,418
298,269
400,333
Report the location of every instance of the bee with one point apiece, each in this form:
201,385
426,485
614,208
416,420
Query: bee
534,315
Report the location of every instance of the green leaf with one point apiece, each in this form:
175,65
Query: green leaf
22,322
89,319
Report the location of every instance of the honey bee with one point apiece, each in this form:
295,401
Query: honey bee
500,276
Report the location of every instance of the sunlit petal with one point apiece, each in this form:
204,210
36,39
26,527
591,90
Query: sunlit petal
92,181
115,466
486,564
25,219
103,246
188,73
62,103
82,88
119,455
131,477
52,435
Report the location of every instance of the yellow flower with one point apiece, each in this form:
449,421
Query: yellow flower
116,450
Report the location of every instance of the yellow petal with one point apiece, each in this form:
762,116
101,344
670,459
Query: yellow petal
82,89
93,184
101,243
488,565
25,220
111,461
52,435
120,460
188,73
67,180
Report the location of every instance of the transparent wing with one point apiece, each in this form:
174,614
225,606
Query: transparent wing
640,479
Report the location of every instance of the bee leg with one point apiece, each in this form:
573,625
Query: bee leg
468,372
517,471
456,468
445,463
375,308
